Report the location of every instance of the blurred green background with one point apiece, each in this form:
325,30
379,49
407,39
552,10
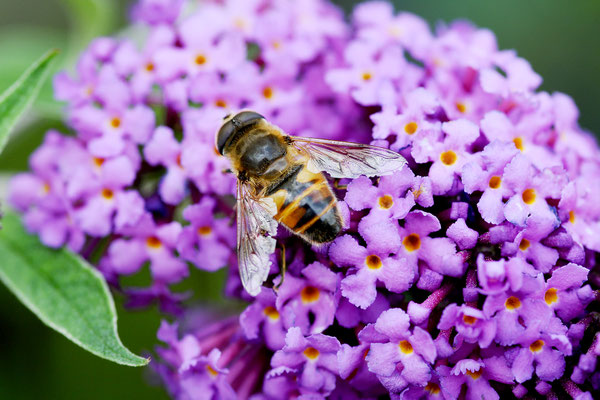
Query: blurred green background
559,38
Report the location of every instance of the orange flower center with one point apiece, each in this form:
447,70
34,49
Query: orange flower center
411,128
551,296
469,319
495,182
311,353
272,313
461,107
412,242
512,303
373,262
572,217
366,76
524,245
98,161
200,59
107,194
448,157
115,122
386,202
149,67
267,92
211,371
221,103
433,388
204,230
475,374
310,294
518,141
405,347
529,196
153,242
536,346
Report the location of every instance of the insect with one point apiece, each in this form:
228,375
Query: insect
280,180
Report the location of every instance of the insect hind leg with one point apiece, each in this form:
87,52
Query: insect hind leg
283,267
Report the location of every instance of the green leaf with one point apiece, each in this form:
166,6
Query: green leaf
15,100
64,291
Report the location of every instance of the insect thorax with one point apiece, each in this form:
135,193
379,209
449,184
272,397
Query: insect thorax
261,154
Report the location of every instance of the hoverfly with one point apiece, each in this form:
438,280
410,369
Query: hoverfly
280,180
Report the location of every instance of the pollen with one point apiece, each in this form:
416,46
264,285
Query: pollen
448,157
524,245
200,59
267,92
518,141
405,347
310,294
149,67
211,371
418,192
107,194
311,353
153,242
475,374
178,160
386,202
461,107
572,217
536,346
115,122
204,230
373,262
367,76
529,196
512,303
46,188
276,44
551,296
469,320
411,128
412,242
271,313
221,103
495,182
433,388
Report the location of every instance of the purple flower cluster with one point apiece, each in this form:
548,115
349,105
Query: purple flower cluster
469,273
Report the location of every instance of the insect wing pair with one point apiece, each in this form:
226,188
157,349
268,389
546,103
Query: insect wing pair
256,225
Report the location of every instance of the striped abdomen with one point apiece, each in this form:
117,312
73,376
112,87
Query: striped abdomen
307,206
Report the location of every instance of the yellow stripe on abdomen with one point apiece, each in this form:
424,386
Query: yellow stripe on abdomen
290,209
317,217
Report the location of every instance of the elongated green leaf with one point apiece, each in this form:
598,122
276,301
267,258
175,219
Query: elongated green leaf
63,290
15,100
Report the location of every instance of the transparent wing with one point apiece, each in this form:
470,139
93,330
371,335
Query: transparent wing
255,244
346,159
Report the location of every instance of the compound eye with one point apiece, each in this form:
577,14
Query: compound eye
246,117
234,123
224,133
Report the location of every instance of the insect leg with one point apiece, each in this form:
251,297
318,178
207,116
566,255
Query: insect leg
283,266
336,184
